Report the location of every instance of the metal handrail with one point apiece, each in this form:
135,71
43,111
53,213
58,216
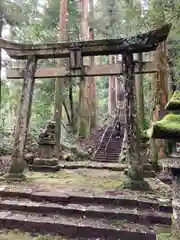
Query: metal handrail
100,143
109,139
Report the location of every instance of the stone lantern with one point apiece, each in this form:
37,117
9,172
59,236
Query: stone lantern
46,161
169,128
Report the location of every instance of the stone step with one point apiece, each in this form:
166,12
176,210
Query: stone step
107,155
44,168
106,160
110,157
115,148
133,215
114,151
75,227
111,144
165,178
94,165
102,153
114,141
126,200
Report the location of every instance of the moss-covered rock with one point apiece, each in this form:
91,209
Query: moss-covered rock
167,128
174,102
164,236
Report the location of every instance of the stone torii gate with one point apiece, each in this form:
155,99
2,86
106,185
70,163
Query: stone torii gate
75,51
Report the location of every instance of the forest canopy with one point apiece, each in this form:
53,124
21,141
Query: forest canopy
37,21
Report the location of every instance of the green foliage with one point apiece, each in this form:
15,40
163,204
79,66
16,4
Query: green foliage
37,21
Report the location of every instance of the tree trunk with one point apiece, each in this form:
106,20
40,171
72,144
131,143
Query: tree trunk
111,89
140,96
59,84
83,111
71,103
1,28
118,90
22,124
160,86
161,92
92,80
172,56
135,165
110,5
84,92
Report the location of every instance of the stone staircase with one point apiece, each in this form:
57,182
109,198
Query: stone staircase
111,154
102,217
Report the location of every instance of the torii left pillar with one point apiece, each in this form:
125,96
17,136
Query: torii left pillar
22,123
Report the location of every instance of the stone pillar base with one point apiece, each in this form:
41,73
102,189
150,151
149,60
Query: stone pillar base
46,161
45,165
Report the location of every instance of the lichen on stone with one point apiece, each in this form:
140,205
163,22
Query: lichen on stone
174,103
167,128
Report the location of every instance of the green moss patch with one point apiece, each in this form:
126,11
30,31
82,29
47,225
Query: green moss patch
164,236
91,180
167,128
174,102
17,235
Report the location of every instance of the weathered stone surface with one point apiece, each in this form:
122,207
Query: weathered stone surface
89,71
176,207
46,150
148,173
47,135
44,168
77,198
46,161
51,197
165,178
74,227
4,214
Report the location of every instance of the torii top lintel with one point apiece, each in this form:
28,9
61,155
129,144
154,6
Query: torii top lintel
141,43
